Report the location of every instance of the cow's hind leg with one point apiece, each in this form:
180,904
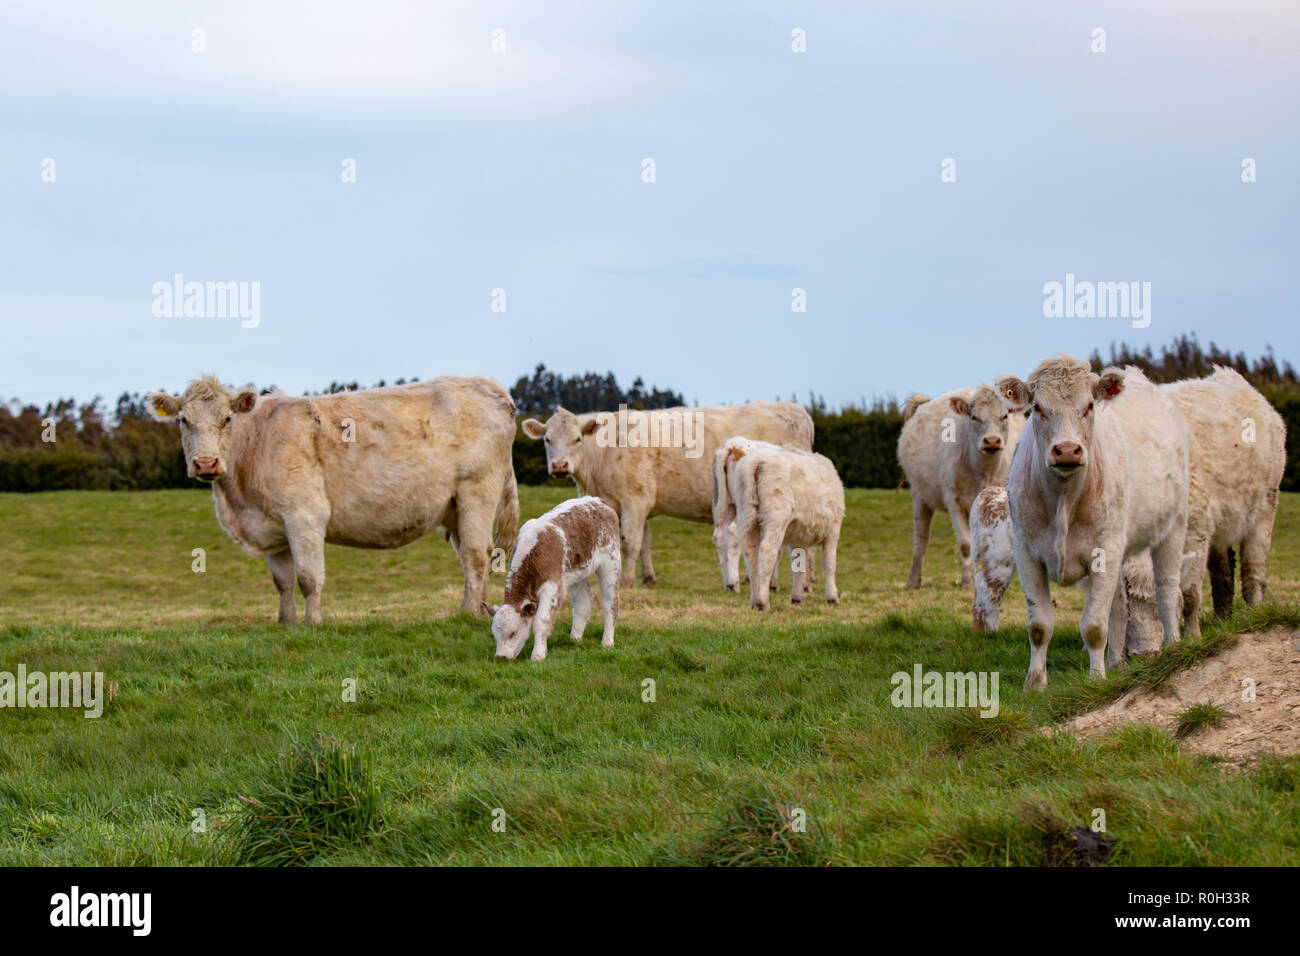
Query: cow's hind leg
769,553
1191,580
607,581
922,515
829,554
580,599
1254,562
647,565
961,528
281,566
307,544
1117,627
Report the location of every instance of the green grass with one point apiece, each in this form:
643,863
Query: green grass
448,756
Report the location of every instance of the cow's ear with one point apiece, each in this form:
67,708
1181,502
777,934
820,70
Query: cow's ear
529,609
485,608
533,428
959,405
1109,384
244,402
1012,392
162,406
590,427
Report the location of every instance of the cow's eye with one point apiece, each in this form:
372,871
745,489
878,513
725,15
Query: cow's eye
576,440
1005,417
1038,408
1089,408
226,422
977,420
184,420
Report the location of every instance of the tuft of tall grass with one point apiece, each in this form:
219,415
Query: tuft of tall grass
321,795
755,828
1198,718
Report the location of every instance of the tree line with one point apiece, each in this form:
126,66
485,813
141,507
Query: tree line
123,448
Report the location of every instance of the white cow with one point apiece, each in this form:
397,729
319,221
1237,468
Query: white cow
993,553
378,468
1101,475
950,448
780,496
1238,454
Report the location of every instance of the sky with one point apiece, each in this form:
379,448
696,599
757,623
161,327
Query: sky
523,169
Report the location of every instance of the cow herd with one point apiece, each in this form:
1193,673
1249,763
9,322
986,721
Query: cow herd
1132,489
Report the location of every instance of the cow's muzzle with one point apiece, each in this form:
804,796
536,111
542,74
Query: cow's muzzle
991,445
560,472
1066,457
206,469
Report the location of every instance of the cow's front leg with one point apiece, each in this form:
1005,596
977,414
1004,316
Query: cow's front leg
548,603
961,528
281,566
1042,618
1094,623
1117,627
631,528
307,544
647,566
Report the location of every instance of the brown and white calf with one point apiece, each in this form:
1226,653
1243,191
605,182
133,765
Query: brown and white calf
1100,475
371,469
658,462
994,555
781,496
1238,454
561,550
950,448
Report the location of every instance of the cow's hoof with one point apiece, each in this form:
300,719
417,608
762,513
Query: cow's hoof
913,585
758,607
796,600
733,588
648,582
832,601
1036,681
772,588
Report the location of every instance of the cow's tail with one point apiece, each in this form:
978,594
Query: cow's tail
912,404
507,514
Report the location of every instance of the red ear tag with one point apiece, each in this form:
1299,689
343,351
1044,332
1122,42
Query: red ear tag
1112,389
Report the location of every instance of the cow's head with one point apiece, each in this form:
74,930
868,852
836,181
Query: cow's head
511,627
565,438
206,416
988,422
1062,394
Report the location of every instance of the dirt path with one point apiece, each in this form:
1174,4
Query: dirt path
1270,723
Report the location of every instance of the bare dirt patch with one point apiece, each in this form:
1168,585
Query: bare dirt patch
1270,724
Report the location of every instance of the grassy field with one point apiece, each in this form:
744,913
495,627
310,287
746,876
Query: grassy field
757,720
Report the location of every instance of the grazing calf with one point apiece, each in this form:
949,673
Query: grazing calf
782,496
1100,476
1238,449
950,448
657,462
993,554
561,549
378,468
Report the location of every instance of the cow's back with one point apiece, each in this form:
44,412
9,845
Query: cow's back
386,460
926,459
1233,480
684,485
